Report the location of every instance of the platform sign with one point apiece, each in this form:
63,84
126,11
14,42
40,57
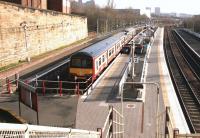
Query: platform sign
28,95
136,60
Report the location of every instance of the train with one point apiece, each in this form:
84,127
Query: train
91,61
139,47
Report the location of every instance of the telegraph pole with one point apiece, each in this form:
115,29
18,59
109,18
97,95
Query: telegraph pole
97,26
24,25
106,25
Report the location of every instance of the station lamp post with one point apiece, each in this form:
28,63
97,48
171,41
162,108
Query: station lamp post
132,56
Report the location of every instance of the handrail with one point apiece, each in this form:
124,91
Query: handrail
110,122
107,119
118,113
63,81
109,127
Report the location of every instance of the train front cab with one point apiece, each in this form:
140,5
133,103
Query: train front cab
81,66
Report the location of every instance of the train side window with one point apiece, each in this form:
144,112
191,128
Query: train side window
103,58
100,61
86,63
110,53
112,50
97,65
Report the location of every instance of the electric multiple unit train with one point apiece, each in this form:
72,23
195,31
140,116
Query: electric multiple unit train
91,61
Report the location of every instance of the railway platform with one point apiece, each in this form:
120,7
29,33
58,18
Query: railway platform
92,110
157,71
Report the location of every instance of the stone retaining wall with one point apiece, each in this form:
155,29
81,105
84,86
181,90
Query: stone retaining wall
27,32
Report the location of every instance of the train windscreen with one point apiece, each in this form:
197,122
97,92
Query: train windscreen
81,63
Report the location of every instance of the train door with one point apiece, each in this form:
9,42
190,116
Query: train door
96,66
107,58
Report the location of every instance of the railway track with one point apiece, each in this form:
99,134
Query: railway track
185,81
190,47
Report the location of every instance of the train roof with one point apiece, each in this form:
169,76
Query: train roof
100,47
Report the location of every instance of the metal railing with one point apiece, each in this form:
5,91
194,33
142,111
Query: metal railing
114,124
60,87
34,131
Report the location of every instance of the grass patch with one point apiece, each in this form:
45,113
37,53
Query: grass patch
10,66
59,48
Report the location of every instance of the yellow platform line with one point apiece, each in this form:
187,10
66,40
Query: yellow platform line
163,84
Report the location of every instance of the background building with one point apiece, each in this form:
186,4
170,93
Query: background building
56,5
157,11
135,12
148,12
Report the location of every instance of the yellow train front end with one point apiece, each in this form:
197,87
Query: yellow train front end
81,67
80,73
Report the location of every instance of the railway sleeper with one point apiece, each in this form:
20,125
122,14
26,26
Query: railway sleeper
194,117
191,103
181,84
191,109
182,89
179,79
188,98
185,94
196,120
190,106
195,114
197,125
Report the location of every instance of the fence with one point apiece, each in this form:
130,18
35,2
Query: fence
193,33
33,131
113,126
171,131
60,87
9,85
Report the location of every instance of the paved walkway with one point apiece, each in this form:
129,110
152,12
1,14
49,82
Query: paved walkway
168,92
53,110
157,71
92,111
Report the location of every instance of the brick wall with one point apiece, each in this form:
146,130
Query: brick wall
44,31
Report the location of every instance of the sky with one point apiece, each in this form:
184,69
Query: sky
166,6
